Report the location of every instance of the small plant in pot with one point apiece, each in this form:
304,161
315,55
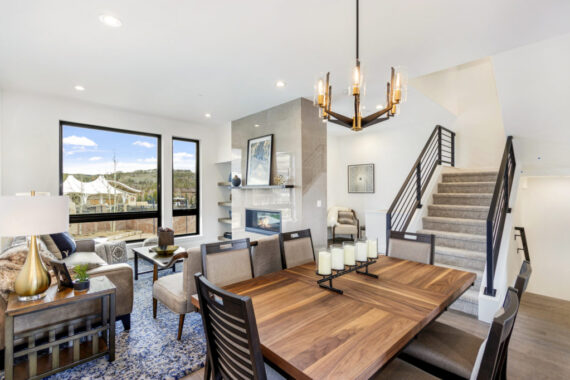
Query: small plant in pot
81,282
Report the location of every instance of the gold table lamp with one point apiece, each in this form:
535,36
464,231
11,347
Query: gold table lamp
32,216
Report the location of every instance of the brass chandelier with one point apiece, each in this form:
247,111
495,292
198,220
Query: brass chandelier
395,95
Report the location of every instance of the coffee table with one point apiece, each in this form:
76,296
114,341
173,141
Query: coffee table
159,262
65,350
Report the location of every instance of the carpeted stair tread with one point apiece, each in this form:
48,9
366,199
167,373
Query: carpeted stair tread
468,302
441,219
464,199
467,226
459,211
465,195
470,176
462,253
455,235
466,187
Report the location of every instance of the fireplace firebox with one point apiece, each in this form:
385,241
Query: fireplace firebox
267,222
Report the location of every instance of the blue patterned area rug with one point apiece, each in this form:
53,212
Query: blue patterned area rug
150,349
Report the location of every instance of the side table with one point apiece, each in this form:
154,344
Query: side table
63,350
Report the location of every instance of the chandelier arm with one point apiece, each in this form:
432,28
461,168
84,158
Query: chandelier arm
357,30
375,115
376,121
344,119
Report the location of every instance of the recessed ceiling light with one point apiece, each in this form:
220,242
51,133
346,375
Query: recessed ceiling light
110,20
79,88
379,106
280,84
256,125
363,107
207,115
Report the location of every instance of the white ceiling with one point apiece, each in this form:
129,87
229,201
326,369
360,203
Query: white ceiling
182,59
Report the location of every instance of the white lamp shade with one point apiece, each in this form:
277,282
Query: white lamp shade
30,215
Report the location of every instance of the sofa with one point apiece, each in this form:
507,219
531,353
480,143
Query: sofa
104,260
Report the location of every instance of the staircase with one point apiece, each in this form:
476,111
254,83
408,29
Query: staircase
457,218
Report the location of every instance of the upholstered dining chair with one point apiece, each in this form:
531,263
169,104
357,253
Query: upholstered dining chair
234,351
266,255
296,248
175,290
450,351
227,262
410,246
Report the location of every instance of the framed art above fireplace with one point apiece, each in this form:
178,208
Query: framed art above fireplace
259,156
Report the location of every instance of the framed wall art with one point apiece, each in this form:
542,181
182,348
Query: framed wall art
259,155
361,178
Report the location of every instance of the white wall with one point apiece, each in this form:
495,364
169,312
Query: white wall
533,84
545,214
29,147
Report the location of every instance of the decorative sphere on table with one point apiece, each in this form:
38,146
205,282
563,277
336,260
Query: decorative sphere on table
236,181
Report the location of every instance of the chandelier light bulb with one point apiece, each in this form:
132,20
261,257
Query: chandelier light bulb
321,92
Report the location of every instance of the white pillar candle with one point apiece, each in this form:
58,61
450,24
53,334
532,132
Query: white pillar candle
337,254
324,262
361,250
372,249
349,254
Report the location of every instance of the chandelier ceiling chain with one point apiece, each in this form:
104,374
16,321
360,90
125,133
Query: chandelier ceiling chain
394,90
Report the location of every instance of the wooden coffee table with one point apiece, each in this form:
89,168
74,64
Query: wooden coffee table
66,349
159,262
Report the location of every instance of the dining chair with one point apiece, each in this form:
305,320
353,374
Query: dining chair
296,248
175,290
411,246
227,262
399,369
266,256
233,347
449,352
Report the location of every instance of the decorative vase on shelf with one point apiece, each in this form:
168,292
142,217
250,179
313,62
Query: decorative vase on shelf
236,181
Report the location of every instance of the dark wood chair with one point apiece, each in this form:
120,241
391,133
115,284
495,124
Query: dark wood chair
448,352
411,246
523,278
228,262
234,351
296,248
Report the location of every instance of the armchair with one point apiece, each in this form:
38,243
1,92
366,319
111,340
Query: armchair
346,224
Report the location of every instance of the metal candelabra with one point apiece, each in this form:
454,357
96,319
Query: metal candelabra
347,269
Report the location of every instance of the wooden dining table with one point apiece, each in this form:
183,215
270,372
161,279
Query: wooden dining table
313,333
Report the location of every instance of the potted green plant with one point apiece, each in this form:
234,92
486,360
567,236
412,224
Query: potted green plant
81,282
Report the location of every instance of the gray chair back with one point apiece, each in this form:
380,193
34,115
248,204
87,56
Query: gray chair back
232,338
228,262
267,256
410,246
494,361
296,248
522,279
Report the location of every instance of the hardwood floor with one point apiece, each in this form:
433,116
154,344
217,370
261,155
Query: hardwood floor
540,344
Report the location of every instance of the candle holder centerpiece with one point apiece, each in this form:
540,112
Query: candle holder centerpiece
341,260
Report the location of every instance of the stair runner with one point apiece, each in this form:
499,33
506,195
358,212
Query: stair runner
457,219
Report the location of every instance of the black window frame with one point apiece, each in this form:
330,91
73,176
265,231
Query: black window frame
109,217
189,211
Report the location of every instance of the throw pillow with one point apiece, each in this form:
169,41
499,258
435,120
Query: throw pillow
65,243
51,246
345,217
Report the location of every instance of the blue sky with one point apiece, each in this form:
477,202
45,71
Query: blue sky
90,151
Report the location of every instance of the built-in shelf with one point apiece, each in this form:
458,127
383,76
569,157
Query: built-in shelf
225,184
225,204
225,220
261,187
221,238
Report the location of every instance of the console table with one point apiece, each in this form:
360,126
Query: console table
48,350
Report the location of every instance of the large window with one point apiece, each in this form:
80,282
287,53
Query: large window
112,178
185,186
